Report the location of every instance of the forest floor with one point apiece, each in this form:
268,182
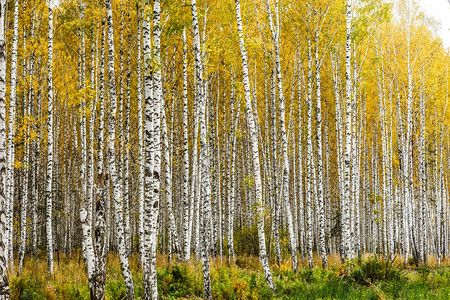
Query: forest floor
370,278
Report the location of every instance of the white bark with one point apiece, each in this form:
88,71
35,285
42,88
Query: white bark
118,208
320,183
204,155
48,190
100,240
11,133
346,201
186,227
255,153
156,119
141,158
168,181
232,176
4,283
276,205
309,163
284,141
26,168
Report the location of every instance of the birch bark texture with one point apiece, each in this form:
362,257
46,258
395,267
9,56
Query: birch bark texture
255,153
116,184
346,201
204,155
4,282
49,178
275,29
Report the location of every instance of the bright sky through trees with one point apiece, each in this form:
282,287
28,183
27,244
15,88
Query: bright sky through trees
440,11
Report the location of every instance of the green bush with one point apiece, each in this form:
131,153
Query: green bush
71,291
115,289
25,288
175,281
374,270
423,272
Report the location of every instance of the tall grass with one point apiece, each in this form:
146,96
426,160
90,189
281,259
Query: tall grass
370,278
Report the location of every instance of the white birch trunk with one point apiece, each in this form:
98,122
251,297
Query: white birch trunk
168,181
309,163
156,119
274,170
186,227
26,168
232,176
284,142
141,158
11,133
204,155
320,183
49,178
346,201
118,207
100,240
255,153
4,283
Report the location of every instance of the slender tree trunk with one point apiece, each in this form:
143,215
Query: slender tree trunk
320,183
4,283
100,240
309,163
126,151
156,119
118,207
255,154
274,170
173,232
90,141
301,210
141,159
26,169
204,155
408,158
422,176
284,138
85,211
232,178
186,227
48,190
11,133
346,201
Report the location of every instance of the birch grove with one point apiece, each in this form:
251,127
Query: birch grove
300,133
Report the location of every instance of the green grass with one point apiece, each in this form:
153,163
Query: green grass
370,279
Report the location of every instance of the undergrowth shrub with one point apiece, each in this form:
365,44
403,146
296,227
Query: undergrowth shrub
25,288
70,291
115,289
423,272
368,279
374,270
177,281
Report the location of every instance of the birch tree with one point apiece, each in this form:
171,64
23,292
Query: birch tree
141,157
275,29
118,207
4,282
49,178
204,155
100,245
255,153
346,201
186,204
